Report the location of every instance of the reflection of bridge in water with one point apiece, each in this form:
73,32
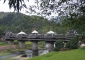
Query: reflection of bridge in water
50,37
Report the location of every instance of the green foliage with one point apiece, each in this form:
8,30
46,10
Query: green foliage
2,14
56,49
76,24
59,45
15,41
83,48
17,22
73,43
41,44
2,43
28,45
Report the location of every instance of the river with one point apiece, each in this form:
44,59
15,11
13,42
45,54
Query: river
27,52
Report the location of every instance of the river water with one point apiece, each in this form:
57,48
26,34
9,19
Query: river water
8,56
27,52
40,52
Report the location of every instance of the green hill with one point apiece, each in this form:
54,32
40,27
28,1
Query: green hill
78,54
3,14
17,22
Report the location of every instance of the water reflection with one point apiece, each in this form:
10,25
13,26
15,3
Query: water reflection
40,52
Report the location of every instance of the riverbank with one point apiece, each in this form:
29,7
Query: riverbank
5,52
17,58
22,55
10,53
2,48
78,54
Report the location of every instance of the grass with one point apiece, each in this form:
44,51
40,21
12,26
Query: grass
78,54
3,44
9,59
6,52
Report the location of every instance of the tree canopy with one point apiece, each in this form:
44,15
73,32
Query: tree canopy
62,7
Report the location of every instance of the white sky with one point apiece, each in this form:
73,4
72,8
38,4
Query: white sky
4,7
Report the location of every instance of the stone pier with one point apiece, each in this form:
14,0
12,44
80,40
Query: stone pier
34,48
21,44
11,42
49,45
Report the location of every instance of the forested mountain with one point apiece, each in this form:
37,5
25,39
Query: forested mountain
17,22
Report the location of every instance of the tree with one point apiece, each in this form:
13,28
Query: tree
75,23
73,43
16,4
62,7
58,45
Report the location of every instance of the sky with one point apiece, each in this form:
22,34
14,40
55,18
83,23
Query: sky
4,7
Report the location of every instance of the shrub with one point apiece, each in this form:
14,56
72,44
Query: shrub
56,49
15,41
64,49
83,47
73,43
58,45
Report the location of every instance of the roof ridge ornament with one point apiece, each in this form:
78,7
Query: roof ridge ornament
34,32
21,32
50,32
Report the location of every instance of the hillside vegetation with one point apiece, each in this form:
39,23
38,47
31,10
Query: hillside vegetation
16,22
78,54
